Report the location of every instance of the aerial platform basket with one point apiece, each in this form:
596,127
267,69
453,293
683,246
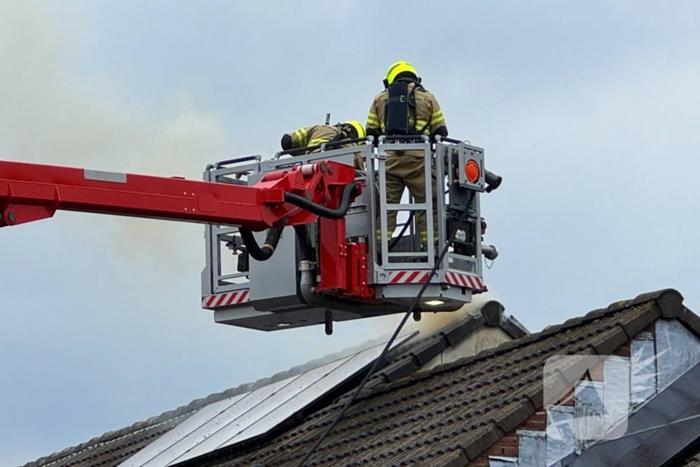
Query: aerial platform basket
336,271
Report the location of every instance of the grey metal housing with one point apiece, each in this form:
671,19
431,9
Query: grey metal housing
280,293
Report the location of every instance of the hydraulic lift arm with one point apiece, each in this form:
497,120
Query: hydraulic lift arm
332,267
30,192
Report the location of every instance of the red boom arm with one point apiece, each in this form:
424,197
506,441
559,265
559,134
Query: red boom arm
30,192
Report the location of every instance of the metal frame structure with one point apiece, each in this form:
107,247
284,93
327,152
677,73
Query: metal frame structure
458,276
384,149
392,279
330,266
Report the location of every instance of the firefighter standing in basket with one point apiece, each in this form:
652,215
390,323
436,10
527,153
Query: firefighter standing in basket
405,107
320,134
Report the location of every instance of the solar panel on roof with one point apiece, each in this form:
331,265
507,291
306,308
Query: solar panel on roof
301,399
245,416
265,415
189,433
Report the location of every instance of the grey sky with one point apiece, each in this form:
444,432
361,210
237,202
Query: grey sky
589,110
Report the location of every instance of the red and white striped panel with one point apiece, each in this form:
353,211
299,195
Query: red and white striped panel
464,280
226,299
408,277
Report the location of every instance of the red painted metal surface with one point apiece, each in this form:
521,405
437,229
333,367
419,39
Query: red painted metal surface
333,256
345,272
30,192
352,273
357,271
336,263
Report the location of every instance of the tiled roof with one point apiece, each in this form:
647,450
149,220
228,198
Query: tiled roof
113,448
452,414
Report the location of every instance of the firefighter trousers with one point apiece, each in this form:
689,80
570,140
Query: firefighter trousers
408,171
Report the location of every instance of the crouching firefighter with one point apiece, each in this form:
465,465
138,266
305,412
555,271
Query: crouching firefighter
313,137
406,108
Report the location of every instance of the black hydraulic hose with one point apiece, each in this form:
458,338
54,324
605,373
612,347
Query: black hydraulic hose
348,192
273,235
306,252
396,239
261,253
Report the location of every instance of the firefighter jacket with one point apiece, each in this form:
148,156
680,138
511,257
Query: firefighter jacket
319,134
426,118
314,135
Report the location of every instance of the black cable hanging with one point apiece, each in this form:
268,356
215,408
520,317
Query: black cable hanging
388,345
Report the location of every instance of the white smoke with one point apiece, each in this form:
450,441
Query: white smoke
433,322
49,115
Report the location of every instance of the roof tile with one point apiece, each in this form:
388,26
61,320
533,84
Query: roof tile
455,458
671,303
513,415
639,318
455,334
480,440
513,328
493,313
605,343
429,350
400,369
